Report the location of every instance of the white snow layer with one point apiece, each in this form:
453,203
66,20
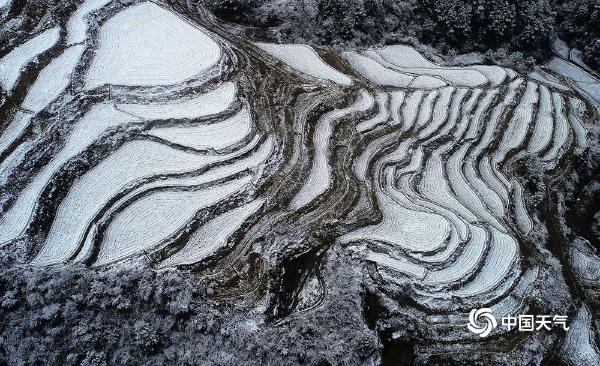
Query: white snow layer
305,59
146,44
12,64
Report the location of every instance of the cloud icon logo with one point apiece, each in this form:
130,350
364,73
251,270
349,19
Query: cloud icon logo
482,321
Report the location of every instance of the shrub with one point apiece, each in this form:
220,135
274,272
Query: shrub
591,53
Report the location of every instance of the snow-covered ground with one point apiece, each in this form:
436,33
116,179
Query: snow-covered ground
171,144
13,63
146,44
304,59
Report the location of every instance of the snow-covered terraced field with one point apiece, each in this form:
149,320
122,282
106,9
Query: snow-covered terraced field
146,157
204,104
134,229
451,213
51,82
97,121
320,176
212,236
305,60
77,25
147,45
156,138
104,117
13,63
218,135
136,161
